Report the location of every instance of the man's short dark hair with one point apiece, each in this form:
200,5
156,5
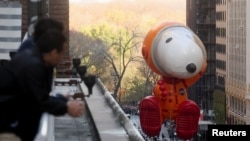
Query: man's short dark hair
45,24
51,39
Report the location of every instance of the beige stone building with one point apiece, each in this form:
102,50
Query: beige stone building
238,62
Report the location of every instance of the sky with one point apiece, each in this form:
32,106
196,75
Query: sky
89,1
172,10
174,2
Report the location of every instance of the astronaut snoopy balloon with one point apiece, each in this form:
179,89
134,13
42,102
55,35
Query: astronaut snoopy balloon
174,52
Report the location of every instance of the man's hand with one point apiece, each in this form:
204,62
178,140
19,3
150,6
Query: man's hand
75,108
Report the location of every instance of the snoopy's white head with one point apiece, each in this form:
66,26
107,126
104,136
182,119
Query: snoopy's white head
177,52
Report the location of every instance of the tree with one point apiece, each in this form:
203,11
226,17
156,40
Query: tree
120,44
90,52
151,78
142,83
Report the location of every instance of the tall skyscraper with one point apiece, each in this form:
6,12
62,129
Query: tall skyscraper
201,19
221,60
238,62
231,89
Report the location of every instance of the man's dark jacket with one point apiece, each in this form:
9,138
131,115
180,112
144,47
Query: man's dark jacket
27,44
25,86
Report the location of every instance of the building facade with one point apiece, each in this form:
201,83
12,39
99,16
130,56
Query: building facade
221,60
201,19
238,62
10,29
32,10
231,95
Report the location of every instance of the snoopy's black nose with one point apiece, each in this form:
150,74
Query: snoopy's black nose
191,67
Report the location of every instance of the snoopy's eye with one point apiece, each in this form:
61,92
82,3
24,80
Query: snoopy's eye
168,40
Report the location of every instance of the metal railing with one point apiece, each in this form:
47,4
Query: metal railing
46,129
133,133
